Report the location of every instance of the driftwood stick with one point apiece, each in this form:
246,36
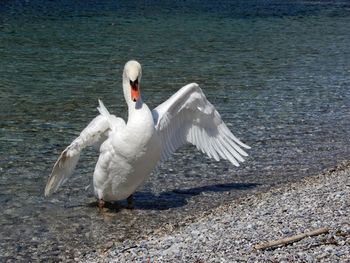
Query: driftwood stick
292,239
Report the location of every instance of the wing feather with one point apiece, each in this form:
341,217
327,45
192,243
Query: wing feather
93,135
214,152
188,117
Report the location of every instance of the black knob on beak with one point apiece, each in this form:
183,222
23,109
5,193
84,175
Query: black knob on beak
134,84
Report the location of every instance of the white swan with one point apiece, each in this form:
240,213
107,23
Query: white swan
130,151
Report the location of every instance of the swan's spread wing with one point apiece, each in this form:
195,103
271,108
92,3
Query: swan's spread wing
93,135
188,116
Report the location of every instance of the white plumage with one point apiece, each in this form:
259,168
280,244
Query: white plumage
130,151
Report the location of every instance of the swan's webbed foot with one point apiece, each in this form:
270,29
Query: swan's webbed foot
130,202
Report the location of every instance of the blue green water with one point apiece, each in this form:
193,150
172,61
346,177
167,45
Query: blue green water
279,74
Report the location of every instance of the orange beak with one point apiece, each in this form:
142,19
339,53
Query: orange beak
134,90
134,94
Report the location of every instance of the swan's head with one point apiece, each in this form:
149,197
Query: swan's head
131,80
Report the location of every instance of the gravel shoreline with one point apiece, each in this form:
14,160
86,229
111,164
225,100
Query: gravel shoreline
229,232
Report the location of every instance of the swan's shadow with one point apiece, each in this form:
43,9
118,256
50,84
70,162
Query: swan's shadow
178,197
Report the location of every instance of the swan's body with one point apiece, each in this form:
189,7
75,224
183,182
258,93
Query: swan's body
127,157
130,151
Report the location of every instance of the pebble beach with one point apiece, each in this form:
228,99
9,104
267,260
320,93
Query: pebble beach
231,232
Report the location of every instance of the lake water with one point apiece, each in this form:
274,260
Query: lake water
279,74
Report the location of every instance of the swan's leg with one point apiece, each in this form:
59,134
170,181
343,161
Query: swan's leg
130,202
101,203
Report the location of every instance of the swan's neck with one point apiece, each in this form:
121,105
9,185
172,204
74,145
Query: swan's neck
135,108
139,115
